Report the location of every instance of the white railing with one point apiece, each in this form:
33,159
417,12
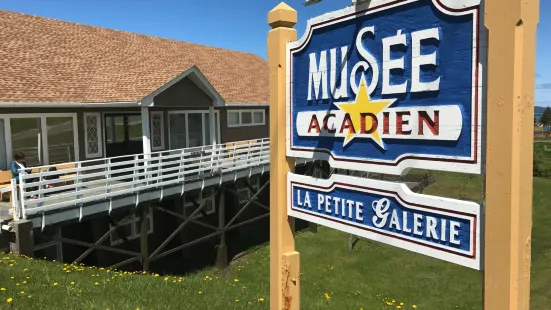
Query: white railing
52,187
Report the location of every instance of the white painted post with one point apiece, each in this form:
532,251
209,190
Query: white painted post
212,131
146,139
14,200
146,134
22,174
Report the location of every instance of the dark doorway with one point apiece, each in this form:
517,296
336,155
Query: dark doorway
123,134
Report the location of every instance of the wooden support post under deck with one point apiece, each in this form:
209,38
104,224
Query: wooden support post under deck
24,242
222,253
144,250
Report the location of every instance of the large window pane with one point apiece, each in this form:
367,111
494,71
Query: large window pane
233,118
61,147
26,138
177,131
3,155
195,128
258,117
134,127
246,118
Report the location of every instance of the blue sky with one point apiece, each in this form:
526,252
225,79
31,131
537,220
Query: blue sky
233,24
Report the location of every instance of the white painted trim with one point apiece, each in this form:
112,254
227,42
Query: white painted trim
241,118
146,130
43,134
196,76
162,146
100,133
68,104
186,112
465,210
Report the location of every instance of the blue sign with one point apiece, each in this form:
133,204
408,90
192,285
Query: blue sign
387,86
389,212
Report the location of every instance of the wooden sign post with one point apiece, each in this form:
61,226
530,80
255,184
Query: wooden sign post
509,144
390,85
284,260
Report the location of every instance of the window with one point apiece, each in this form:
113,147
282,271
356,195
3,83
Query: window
200,196
190,129
246,118
26,137
131,228
92,133
244,191
43,139
61,145
157,131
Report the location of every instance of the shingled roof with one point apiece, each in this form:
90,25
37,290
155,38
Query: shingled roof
47,60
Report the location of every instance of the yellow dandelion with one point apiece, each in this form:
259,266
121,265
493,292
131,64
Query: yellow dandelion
24,282
29,296
235,280
398,307
72,283
12,277
9,300
2,289
166,279
237,300
156,274
11,265
250,303
22,292
414,306
261,299
96,283
401,304
200,292
25,269
17,284
55,283
179,280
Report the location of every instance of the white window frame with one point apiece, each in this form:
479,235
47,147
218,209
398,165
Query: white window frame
240,112
186,112
200,200
243,199
134,233
43,131
101,137
151,117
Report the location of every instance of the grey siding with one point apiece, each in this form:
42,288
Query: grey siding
183,94
230,134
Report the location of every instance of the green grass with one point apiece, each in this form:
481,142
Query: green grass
368,277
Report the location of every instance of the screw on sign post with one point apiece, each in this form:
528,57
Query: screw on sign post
284,260
510,107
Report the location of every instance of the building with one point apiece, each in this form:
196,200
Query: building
88,101
70,92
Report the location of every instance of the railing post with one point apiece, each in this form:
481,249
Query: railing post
22,174
182,168
134,179
16,208
107,177
40,188
78,181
